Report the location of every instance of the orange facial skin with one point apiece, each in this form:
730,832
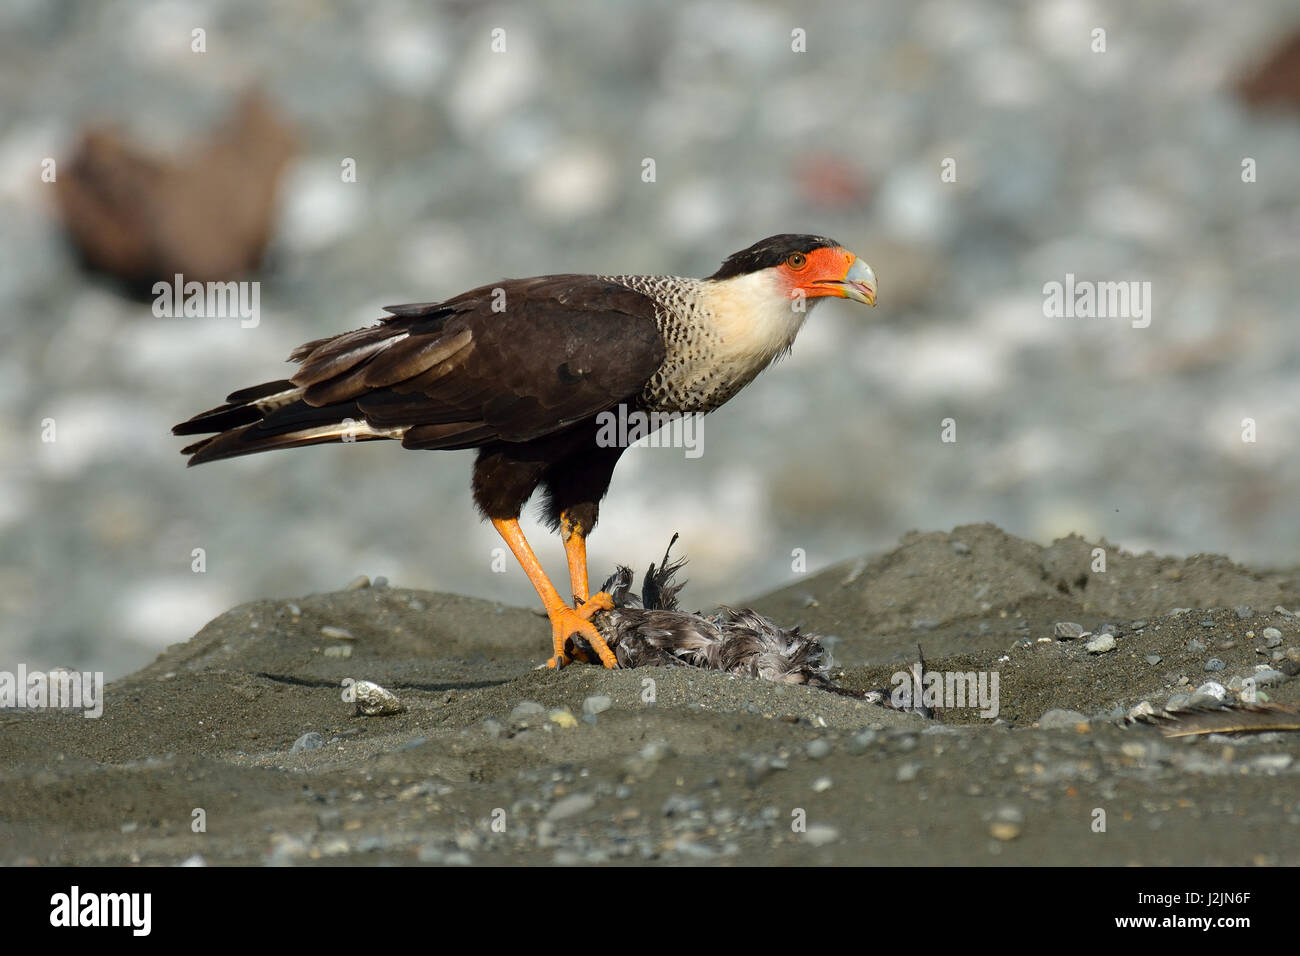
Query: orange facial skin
831,271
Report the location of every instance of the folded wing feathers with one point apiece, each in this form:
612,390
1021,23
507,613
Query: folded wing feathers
416,376
415,358
372,358
448,436
340,355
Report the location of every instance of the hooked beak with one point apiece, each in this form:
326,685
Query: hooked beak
858,284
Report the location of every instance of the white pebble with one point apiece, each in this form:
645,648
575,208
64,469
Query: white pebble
374,701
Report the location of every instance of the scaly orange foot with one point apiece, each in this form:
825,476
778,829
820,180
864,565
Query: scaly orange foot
567,621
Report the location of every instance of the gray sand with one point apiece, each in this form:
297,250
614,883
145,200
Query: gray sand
712,770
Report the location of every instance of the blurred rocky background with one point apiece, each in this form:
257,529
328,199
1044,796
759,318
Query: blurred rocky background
473,164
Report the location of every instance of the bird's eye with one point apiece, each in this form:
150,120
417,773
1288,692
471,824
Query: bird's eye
796,260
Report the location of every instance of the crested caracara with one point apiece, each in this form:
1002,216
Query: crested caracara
522,369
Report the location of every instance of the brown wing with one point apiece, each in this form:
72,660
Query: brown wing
510,362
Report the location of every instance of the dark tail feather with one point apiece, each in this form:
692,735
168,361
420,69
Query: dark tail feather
251,438
267,417
240,409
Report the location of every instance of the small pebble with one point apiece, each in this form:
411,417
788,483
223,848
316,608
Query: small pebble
334,846
1211,688
1268,676
380,582
357,583
645,760
308,741
1272,762
821,784
819,748
681,805
1100,645
336,633
374,701
1153,659
571,806
338,650
861,741
1272,637
1004,830
1141,709
960,547
1214,664
655,751
525,710
907,772
820,834
1059,717
1009,813
287,850
1244,612
1068,630
596,704
430,853
1195,647
1178,701
563,717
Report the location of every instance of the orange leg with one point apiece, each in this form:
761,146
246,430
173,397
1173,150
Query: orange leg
575,548
565,620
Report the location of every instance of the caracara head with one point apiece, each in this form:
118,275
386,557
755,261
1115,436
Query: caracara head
810,267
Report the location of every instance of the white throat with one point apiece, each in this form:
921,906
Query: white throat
719,334
755,318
